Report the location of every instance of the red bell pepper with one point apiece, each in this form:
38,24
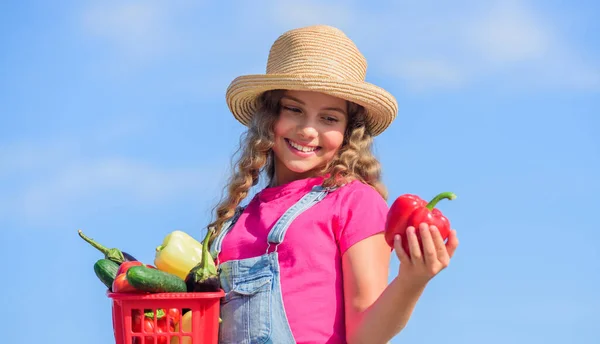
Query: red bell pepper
144,323
126,265
410,210
173,315
121,284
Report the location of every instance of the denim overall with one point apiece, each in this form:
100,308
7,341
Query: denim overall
252,309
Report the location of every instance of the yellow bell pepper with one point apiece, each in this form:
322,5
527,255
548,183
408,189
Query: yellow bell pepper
178,254
186,324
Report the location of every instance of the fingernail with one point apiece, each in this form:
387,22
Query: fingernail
397,237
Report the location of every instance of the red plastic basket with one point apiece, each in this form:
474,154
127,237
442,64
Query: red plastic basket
128,316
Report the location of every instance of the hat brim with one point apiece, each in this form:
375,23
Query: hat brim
243,92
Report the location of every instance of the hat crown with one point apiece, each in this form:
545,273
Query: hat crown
318,50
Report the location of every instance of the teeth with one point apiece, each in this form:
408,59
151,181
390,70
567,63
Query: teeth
301,148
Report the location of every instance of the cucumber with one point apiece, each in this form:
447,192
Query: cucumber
155,281
106,271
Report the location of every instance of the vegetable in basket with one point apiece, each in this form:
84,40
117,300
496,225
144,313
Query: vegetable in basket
106,271
204,277
186,325
178,254
165,321
151,280
121,283
113,254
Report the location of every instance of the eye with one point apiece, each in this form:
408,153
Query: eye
330,119
291,109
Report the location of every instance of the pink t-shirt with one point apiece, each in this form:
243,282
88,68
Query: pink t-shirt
310,256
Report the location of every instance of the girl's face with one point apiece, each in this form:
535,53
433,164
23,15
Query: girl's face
308,133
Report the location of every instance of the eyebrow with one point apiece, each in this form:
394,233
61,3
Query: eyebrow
327,108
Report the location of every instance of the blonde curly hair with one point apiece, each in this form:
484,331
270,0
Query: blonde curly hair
353,161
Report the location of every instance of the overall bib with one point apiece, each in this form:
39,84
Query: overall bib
252,309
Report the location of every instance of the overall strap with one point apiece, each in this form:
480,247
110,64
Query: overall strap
278,231
227,226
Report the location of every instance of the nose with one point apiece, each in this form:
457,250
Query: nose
307,130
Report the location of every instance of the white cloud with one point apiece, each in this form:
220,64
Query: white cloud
51,153
509,42
47,180
86,181
291,14
514,41
84,185
427,74
26,156
136,28
509,32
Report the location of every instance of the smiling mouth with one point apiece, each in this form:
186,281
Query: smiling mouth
300,148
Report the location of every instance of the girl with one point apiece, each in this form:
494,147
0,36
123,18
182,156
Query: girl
305,260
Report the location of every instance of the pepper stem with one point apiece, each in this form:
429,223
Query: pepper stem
93,243
436,199
160,313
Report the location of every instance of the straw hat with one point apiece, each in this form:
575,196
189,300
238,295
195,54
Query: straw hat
315,58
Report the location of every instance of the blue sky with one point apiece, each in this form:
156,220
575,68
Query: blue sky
113,120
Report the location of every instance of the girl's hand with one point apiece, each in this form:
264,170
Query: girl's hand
421,266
